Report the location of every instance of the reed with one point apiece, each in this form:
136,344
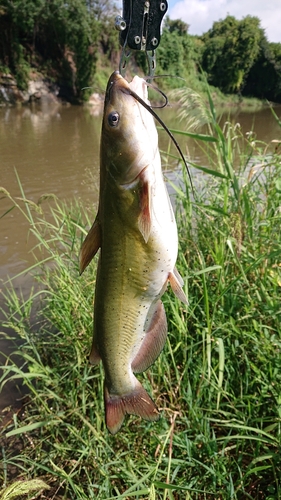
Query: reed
218,379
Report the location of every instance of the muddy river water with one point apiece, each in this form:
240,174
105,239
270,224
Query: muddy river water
53,149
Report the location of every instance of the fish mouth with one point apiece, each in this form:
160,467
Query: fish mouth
117,80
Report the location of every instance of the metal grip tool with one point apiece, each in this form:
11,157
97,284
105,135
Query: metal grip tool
139,28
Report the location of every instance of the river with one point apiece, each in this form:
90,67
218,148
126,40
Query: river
53,148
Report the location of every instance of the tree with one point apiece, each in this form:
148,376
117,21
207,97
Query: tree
264,79
176,26
55,37
231,48
177,54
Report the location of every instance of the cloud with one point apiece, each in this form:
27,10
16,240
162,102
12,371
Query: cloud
200,14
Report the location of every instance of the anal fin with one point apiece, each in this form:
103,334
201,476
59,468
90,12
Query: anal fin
94,357
153,341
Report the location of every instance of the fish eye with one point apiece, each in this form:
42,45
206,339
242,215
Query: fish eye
113,118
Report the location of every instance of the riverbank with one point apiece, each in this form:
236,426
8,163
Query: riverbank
38,89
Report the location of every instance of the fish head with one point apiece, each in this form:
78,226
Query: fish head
129,142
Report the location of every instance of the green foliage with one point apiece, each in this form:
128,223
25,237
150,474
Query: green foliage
264,79
218,379
22,68
24,14
75,44
63,36
231,48
178,53
176,26
66,36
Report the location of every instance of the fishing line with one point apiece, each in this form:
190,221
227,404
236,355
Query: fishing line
160,92
146,78
165,76
98,90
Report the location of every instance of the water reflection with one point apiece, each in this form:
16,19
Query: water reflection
14,119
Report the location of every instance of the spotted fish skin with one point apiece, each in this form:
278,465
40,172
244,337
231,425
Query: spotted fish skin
136,232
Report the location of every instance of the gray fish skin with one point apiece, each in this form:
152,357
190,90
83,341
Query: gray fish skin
136,232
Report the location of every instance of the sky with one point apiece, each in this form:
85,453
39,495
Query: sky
200,14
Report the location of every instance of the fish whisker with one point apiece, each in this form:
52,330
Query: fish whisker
166,103
154,114
164,76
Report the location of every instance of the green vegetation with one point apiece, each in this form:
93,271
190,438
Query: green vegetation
19,488
238,58
231,48
57,39
75,45
218,379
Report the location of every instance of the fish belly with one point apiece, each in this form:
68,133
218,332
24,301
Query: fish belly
129,319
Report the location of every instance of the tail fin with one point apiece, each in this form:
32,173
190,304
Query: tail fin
138,402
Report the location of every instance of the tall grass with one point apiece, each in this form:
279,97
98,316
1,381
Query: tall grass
218,379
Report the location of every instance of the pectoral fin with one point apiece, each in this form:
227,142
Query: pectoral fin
90,245
176,283
144,221
94,357
153,341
